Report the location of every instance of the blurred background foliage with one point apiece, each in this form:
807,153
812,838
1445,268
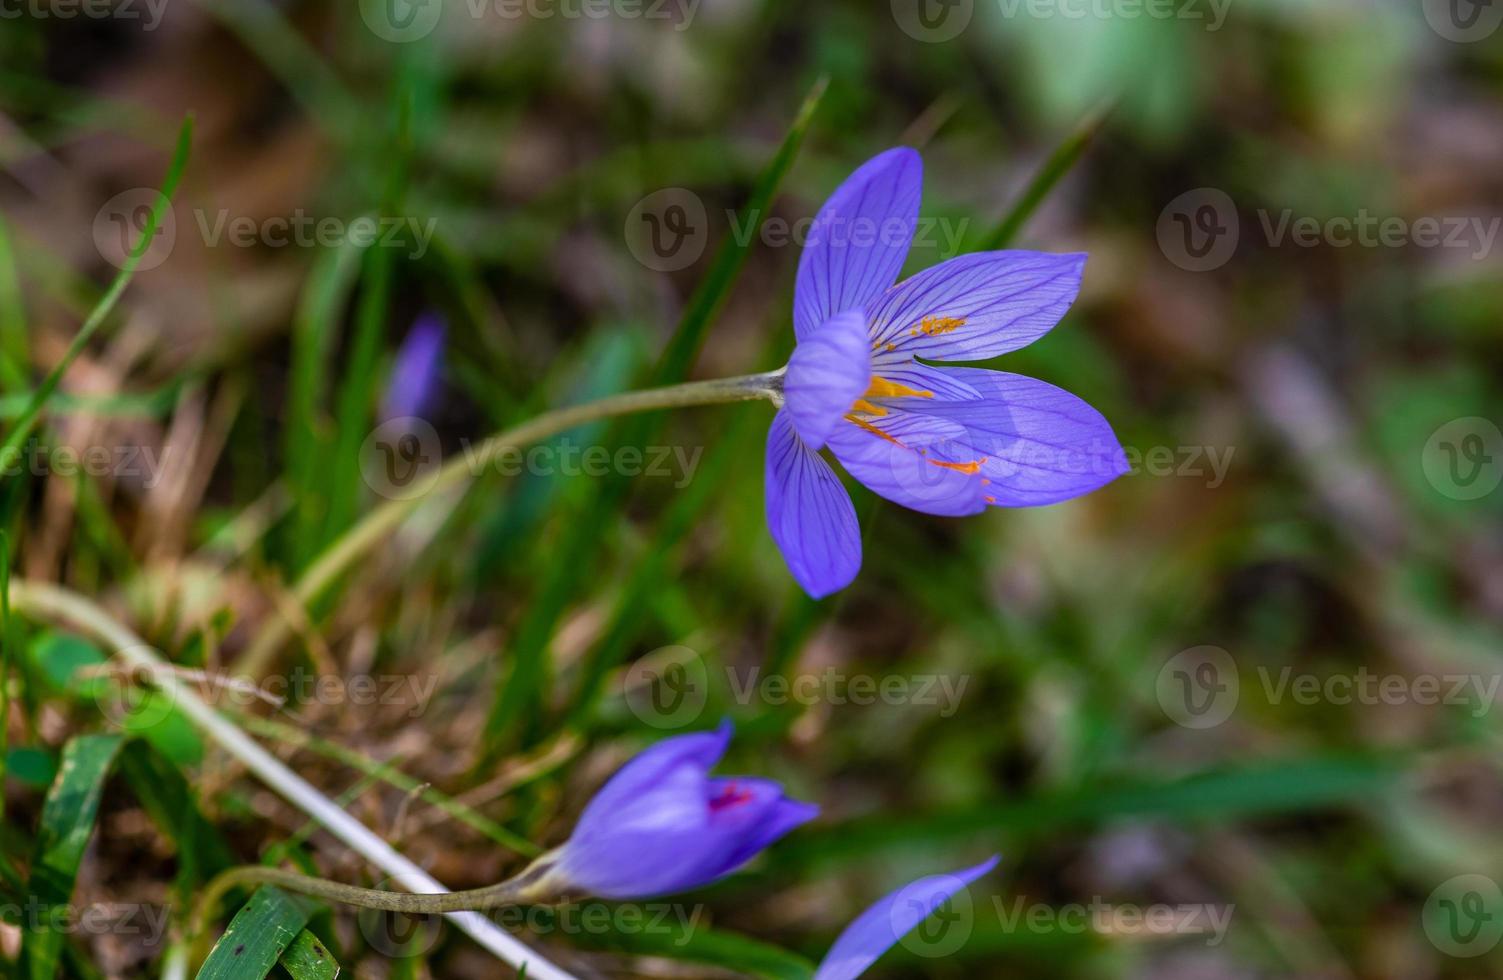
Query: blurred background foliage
255,375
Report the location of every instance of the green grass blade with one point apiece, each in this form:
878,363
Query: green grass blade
102,309
357,396
1059,163
519,692
257,937
68,816
14,357
324,295
309,959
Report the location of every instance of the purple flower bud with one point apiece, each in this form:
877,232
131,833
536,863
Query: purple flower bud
663,824
894,916
415,374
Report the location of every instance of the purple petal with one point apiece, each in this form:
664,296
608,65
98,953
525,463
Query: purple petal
830,368
1039,444
880,927
695,752
651,844
809,513
907,458
752,814
859,240
663,826
925,381
415,373
976,306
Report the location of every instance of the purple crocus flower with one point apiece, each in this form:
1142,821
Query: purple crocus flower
415,373
882,926
942,440
663,824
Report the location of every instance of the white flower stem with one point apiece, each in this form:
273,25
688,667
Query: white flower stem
45,601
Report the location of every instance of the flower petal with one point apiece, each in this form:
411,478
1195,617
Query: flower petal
976,306
414,375
695,752
907,458
809,513
923,380
1039,444
860,238
882,926
751,814
830,368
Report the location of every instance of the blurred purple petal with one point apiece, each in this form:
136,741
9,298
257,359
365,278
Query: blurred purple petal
809,513
753,813
662,825
882,926
414,376
830,369
650,768
857,243
975,306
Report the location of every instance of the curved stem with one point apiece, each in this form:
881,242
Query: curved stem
374,527
50,602
531,886
473,900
